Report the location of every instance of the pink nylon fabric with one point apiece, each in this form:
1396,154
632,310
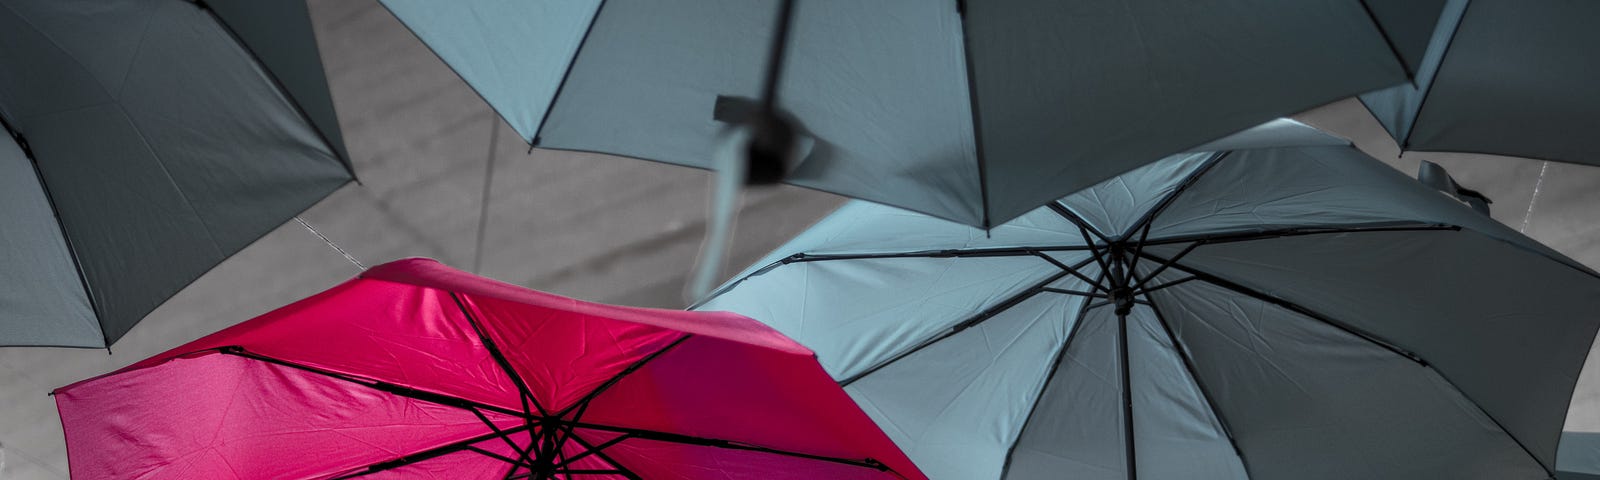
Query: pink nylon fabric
291,394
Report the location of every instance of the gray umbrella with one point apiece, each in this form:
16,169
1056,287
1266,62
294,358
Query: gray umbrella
1505,77
970,111
149,140
1274,313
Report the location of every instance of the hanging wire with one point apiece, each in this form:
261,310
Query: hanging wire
1537,187
488,182
330,243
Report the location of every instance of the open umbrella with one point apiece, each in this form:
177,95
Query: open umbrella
970,111
1280,313
148,141
1504,77
417,370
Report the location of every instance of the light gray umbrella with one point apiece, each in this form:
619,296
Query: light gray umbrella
149,140
970,111
1504,77
1276,313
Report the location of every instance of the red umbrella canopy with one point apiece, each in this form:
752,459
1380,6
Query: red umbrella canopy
417,370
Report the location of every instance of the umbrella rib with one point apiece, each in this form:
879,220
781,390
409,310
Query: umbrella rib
679,438
1082,224
1242,236
976,116
583,404
1292,306
499,357
946,253
1055,365
338,150
431,453
382,386
965,324
77,265
1194,373
560,87
1167,201
590,448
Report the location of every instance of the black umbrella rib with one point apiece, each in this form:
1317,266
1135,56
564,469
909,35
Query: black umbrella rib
55,214
338,150
976,114
1547,469
565,74
583,404
944,253
598,451
1082,224
965,324
1243,236
1072,335
1189,181
499,357
1294,307
719,443
1393,49
435,452
1194,373
382,386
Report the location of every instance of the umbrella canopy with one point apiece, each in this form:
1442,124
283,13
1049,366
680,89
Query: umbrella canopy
149,140
417,370
970,111
1505,77
1277,313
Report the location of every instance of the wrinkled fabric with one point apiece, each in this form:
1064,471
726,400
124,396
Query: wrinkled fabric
203,410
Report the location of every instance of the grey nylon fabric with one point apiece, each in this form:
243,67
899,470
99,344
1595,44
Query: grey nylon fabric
1579,456
1335,319
976,112
1540,103
1300,397
1076,428
163,144
41,299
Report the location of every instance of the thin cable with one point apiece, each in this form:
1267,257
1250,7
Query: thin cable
330,243
1537,186
488,182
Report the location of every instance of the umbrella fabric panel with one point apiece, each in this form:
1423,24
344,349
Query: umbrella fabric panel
192,152
879,86
1579,456
514,53
408,336
1313,188
276,421
1405,26
1306,399
1143,80
1176,433
279,35
1540,103
40,288
853,311
1114,206
1514,347
563,357
1396,107
766,398
924,400
1075,428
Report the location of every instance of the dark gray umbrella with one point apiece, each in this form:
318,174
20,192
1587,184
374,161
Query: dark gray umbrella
970,111
1504,77
1273,313
149,140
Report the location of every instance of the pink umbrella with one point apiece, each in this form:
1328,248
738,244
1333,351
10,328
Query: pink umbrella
417,370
